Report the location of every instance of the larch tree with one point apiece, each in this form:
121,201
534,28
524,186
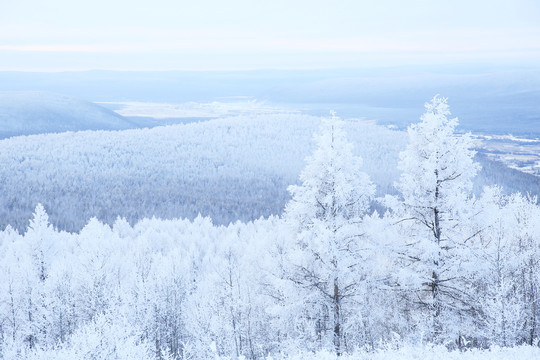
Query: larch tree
436,183
324,213
500,266
527,258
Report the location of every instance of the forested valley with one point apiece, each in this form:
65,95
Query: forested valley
347,270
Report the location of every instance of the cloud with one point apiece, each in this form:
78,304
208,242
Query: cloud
159,40
143,47
64,48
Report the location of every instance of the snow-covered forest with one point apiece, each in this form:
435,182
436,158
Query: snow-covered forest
393,256
230,168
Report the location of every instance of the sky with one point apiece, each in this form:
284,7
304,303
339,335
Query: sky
61,35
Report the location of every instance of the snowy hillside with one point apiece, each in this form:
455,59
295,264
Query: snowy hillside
230,169
32,112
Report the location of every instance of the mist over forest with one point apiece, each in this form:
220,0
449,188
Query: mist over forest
493,99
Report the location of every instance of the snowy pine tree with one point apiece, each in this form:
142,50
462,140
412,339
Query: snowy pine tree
436,184
325,212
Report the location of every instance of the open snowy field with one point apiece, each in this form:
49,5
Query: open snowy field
407,353
214,109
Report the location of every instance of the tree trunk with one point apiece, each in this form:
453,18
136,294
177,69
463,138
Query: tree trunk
435,280
337,319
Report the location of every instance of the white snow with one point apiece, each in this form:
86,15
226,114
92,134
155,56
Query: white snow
196,110
427,353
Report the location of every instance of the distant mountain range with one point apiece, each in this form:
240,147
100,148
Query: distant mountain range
488,99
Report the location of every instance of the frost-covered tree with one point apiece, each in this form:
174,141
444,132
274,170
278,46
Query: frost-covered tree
526,259
498,271
40,250
436,182
325,214
226,311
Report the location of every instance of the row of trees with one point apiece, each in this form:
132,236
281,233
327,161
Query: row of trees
439,266
460,265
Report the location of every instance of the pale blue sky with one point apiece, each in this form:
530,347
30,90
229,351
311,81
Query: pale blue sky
58,35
